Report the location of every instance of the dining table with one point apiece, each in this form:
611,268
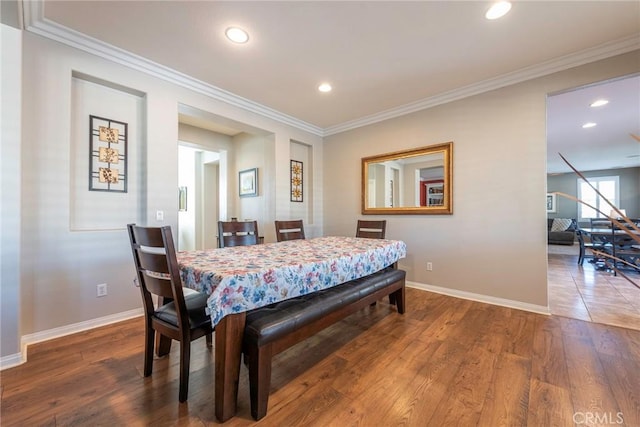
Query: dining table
617,242
609,235
242,278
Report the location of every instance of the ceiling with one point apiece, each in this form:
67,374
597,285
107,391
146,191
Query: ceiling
607,145
383,58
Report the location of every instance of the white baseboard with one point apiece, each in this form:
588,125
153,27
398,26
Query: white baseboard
540,309
12,360
20,358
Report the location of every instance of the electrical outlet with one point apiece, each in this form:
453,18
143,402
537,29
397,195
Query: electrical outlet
101,290
429,266
159,215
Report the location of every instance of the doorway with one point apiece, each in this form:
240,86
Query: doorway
594,138
199,190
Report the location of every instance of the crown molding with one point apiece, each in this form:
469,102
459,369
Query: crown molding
36,23
586,56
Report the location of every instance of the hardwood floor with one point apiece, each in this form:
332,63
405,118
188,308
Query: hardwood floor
446,362
582,292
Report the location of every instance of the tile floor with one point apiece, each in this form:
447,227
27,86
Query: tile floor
582,292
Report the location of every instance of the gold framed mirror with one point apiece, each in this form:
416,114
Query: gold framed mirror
417,181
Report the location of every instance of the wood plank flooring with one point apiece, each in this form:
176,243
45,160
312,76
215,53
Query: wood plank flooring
582,292
446,362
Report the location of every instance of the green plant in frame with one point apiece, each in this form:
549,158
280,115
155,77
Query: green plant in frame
621,221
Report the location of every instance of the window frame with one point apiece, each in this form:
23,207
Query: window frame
595,181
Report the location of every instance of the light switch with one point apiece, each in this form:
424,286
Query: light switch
159,215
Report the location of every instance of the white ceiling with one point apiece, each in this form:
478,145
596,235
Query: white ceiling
607,144
383,58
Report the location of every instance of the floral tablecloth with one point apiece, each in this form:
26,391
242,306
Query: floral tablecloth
242,278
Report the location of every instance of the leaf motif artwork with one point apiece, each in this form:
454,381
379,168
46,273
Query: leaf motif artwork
108,134
108,146
108,175
296,181
108,155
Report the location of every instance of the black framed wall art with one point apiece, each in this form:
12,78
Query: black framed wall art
107,155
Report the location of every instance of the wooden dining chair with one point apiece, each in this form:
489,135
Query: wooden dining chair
289,230
237,233
180,314
371,229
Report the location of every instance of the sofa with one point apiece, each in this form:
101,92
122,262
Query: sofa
561,231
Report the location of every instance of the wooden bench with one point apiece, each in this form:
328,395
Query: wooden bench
272,329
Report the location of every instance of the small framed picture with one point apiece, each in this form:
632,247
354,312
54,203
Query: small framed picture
551,203
248,182
182,199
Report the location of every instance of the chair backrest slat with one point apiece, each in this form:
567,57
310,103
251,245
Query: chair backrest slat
289,230
158,286
237,233
371,229
153,262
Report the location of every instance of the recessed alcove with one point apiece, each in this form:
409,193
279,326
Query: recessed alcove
104,210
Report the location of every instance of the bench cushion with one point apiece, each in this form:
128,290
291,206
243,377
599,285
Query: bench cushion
269,323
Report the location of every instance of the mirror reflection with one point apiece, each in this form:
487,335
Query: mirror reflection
416,181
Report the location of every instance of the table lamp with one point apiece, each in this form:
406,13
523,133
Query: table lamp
614,214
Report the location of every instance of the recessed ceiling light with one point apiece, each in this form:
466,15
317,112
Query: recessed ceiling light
498,10
599,103
237,35
588,125
324,87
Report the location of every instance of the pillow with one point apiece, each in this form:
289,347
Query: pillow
560,224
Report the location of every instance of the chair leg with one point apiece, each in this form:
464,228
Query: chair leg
185,356
149,334
163,345
259,380
209,339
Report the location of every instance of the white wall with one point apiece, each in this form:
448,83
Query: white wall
60,269
253,151
10,187
187,167
494,244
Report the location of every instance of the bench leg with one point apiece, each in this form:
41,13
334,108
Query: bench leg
398,297
259,380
